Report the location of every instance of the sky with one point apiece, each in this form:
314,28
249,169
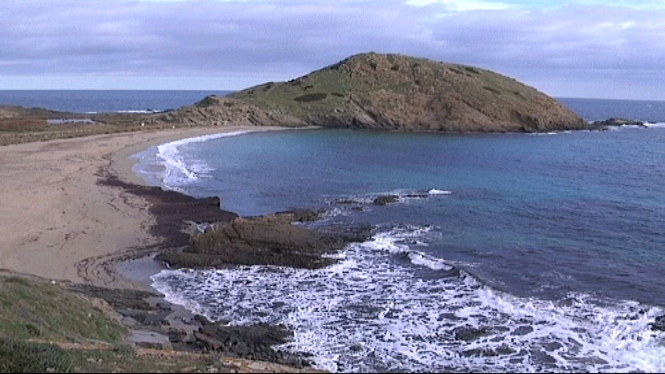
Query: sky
574,48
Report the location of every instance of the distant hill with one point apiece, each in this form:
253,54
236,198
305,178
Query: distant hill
391,92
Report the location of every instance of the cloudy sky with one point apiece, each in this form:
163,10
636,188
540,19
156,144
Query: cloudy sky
573,48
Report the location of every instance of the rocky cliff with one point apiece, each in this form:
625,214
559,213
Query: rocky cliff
391,92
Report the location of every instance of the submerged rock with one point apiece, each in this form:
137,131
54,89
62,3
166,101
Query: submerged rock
618,122
658,324
385,199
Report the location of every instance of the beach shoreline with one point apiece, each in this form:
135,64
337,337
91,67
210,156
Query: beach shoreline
74,213
60,222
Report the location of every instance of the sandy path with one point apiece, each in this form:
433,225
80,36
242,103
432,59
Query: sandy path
57,222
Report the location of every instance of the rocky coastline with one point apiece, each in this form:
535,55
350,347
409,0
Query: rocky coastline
228,240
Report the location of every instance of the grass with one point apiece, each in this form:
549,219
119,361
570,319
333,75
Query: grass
20,356
31,309
329,90
17,356
45,328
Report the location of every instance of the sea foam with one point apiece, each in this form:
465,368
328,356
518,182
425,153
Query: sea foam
179,172
369,313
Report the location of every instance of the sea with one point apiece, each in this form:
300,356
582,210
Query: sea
503,252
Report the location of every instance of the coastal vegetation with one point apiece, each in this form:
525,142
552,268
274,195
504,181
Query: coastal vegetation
397,92
55,327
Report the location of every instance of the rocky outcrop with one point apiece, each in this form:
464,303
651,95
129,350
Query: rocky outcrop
385,199
618,122
266,240
388,92
658,324
222,111
154,324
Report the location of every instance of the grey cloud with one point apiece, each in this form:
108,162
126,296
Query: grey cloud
283,39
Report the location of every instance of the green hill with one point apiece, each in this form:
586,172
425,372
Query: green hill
390,92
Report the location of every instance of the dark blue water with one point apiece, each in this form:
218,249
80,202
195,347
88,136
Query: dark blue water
550,247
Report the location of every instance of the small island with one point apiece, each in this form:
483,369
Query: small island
388,92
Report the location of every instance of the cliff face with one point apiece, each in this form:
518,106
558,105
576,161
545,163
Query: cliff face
393,92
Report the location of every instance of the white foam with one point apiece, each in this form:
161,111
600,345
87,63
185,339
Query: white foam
549,133
434,191
141,111
178,172
395,320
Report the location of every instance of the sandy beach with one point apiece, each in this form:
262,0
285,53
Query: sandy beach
58,222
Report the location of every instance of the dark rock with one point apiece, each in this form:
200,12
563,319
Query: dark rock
523,330
250,342
468,333
658,324
618,122
202,320
176,336
386,199
268,240
171,209
417,196
303,215
136,314
149,339
118,298
157,319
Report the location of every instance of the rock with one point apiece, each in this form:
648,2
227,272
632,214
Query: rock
178,336
267,240
386,199
129,322
658,324
202,320
135,314
149,339
618,122
157,319
124,299
469,333
249,342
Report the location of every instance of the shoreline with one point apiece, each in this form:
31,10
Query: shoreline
82,218
60,221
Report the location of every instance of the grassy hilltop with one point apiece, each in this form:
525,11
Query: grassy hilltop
364,91
389,92
396,92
